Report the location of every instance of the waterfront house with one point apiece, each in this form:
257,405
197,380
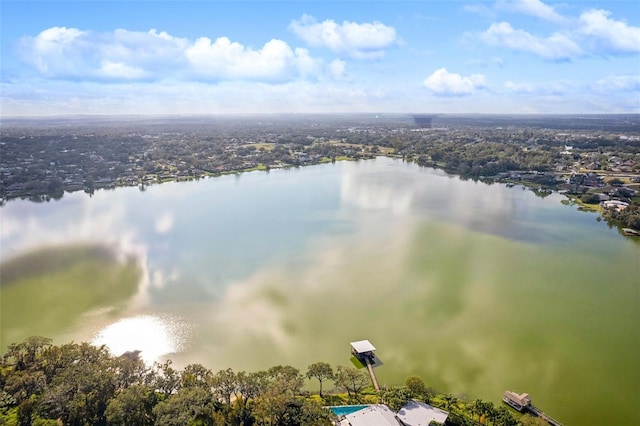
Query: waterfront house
373,415
416,413
413,413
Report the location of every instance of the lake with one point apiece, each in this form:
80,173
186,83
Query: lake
475,288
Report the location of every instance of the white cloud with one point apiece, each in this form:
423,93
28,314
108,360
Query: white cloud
518,87
533,8
358,40
558,88
618,83
54,42
23,98
485,63
231,60
56,39
479,9
555,47
119,70
305,63
69,53
187,97
546,89
444,83
608,34
60,52
149,47
594,32
337,69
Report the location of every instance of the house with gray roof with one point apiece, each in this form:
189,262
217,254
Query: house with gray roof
413,413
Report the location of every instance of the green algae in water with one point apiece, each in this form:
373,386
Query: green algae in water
45,291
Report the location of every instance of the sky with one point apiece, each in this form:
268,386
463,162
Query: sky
305,56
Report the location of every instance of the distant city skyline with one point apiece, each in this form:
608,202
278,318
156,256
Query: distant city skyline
196,57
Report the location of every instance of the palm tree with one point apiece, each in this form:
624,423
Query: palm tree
491,412
484,409
450,402
475,408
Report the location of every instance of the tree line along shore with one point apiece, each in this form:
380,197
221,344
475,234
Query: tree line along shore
41,160
80,384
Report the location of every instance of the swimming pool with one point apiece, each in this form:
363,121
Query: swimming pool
343,410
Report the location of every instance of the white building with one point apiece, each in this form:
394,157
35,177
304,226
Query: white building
413,413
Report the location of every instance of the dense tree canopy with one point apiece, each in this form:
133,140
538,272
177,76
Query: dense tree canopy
80,384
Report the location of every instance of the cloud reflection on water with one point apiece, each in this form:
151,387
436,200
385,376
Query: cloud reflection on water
164,223
408,257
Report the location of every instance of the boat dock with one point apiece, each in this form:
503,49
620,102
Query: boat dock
522,403
364,351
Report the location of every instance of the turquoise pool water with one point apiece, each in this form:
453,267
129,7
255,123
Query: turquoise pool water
343,410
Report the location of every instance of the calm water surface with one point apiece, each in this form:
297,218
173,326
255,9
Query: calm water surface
476,288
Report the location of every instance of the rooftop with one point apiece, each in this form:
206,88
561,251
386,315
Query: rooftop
378,415
362,346
522,399
415,413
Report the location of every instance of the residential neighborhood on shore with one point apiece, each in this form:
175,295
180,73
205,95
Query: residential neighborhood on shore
595,161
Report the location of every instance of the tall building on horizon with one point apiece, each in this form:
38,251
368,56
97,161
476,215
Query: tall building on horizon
423,121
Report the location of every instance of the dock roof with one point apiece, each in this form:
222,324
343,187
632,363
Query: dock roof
522,399
362,346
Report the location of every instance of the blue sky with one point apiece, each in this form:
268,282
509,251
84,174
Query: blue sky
196,57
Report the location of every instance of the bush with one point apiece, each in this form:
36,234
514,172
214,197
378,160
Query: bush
590,198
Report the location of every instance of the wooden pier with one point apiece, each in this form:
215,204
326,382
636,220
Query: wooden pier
364,351
538,412
374,380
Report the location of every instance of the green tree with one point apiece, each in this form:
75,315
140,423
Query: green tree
417,388
195,375
484,409
271,407
167,379
224,384
396,397
132,406
21,384
490,412
249,387
186,407
450,402
475,408
313,413
352,380
286,379
321,371
79,391
25,355
590,198
277,403
130,369
503,417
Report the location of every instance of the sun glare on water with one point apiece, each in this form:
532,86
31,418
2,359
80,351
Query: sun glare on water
154,336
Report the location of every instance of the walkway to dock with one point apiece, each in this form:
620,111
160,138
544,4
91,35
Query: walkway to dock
538,412
372,374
